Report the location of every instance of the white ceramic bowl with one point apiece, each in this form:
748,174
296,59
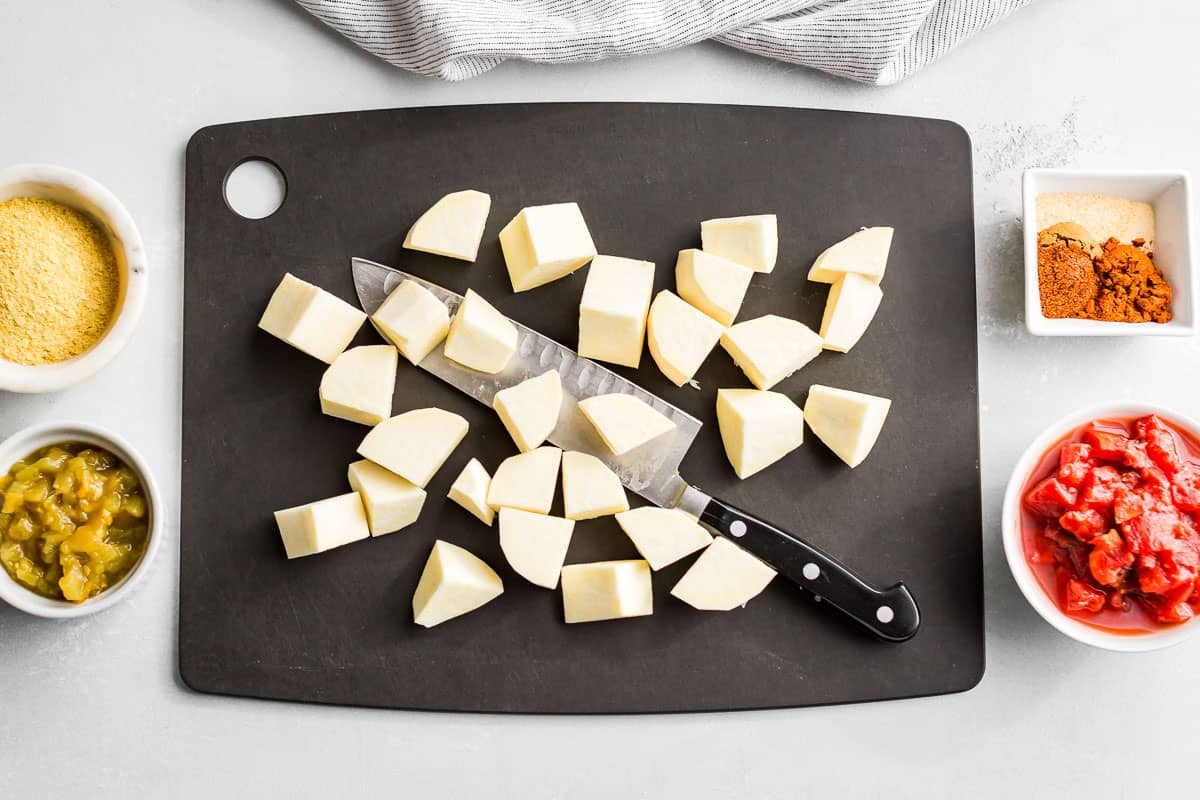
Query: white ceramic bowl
1014,549
30,439
81,192
1176,251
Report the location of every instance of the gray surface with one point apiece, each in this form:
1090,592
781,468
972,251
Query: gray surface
116,88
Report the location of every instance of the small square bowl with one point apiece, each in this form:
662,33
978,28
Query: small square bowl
1175,251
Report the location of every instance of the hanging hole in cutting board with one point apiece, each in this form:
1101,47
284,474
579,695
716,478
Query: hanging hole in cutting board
255,188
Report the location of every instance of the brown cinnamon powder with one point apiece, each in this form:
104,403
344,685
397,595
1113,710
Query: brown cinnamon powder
1067,282
1132,289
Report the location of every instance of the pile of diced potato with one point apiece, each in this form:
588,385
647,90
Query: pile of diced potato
617,316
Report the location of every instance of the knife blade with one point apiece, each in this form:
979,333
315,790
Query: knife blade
651,470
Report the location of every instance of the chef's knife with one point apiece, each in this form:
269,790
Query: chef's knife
652,470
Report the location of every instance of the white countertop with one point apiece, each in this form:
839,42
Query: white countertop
115,89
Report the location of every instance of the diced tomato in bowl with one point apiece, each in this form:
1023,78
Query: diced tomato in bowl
1082,597
1110,560
1074,463
1185,489
1051,498
1102,526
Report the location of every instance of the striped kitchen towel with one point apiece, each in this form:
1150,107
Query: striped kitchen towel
872,41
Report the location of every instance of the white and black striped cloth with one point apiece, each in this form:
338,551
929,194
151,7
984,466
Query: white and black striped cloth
872,41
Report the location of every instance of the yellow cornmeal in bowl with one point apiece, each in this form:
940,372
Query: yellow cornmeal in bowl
59,281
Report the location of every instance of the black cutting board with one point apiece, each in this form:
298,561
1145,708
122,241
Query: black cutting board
336,627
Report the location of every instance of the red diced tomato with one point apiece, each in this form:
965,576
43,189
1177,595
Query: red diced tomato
1076,452
1086,524
1151,577
1155,478
1074,474
1173,606
1107,446
1125,505
1082,598
1160,442
1158,497
1110,559
1074,462
1185,488
1051,498
1117,601
1180,561
1151,531
1128,504
1137,455
1136,538
1188,528
1099,487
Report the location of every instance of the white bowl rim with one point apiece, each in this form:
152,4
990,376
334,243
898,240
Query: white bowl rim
1014,550
27,378
1039,325
29,439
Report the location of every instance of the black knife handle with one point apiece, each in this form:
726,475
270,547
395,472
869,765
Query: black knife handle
890,614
